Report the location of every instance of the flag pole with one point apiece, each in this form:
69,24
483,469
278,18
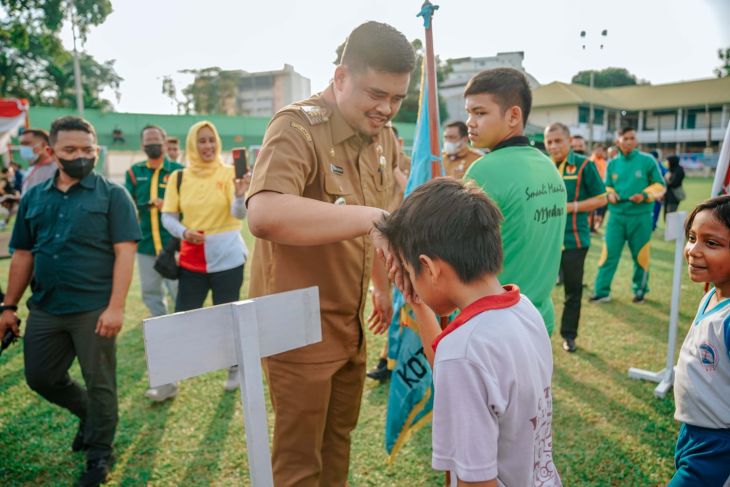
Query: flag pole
427,11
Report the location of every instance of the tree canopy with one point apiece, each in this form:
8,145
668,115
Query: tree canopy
608,78
35,65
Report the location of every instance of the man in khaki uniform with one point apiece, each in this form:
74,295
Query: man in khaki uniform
322,178
458,156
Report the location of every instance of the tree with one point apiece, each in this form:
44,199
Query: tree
608,78
724,69
408,112
35,65
213,90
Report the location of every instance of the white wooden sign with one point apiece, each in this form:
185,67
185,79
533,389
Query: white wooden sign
191,343
674,230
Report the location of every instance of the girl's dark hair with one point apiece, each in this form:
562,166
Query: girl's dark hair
720,208
673,161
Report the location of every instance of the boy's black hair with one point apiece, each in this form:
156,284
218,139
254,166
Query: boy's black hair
463,129
155,127
448,220
39,133
68,124
380,47
720,208
508,86
626,129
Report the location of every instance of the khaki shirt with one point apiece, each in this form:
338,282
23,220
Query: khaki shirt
456,165
310,151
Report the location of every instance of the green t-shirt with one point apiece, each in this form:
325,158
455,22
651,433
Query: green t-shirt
529,191
581,174
632,174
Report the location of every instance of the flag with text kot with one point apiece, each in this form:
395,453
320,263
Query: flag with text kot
410,398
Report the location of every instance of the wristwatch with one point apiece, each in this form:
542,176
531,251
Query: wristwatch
8,307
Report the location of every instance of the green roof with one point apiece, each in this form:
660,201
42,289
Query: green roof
234,131
684,94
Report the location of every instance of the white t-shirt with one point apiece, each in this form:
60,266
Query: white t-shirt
702,376
493,405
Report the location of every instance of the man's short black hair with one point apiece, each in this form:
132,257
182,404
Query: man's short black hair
626,129
155,127
559,126
38,133
448,220
380,47
579,137
70,123
173,140
463,130
720,208
508,86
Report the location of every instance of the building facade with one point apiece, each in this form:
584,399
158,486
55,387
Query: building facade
682,117
462,69
264,93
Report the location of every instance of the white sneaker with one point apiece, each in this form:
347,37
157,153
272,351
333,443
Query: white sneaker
231,384
162,393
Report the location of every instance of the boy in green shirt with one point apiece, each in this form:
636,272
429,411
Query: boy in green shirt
521,180
633,182
585,193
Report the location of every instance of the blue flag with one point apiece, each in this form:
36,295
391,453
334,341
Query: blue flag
410,398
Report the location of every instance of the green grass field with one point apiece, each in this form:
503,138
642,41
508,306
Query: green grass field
608,429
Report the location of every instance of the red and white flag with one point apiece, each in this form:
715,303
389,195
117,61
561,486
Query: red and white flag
13,114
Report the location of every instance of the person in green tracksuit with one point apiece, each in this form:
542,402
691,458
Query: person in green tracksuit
146,182
633,182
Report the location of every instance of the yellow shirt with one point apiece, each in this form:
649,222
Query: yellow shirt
206,200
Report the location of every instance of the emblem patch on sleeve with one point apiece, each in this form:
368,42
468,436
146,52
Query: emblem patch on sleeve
302,130
315,114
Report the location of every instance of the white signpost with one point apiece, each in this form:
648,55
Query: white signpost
191,343
674,231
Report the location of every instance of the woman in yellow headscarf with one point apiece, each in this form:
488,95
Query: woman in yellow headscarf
212,205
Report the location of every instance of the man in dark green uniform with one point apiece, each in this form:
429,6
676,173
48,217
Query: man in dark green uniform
585,193
76,235
633,182
146,182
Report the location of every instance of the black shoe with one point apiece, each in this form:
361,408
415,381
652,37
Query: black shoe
380,372
78,443
569,345
97,472
638,299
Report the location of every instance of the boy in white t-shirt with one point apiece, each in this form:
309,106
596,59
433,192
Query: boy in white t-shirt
493,364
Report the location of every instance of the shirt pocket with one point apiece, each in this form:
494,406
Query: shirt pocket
338,190
39,226
91,221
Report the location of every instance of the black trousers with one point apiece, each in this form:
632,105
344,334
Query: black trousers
571,265
193,287
50,345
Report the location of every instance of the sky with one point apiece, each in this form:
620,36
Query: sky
657,40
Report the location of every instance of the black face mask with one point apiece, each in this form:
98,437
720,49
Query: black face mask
78,168
153,151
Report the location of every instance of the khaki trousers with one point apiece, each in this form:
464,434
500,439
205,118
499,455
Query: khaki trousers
316,406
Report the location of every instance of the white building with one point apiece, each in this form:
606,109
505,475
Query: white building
452,88
264,93
688,116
